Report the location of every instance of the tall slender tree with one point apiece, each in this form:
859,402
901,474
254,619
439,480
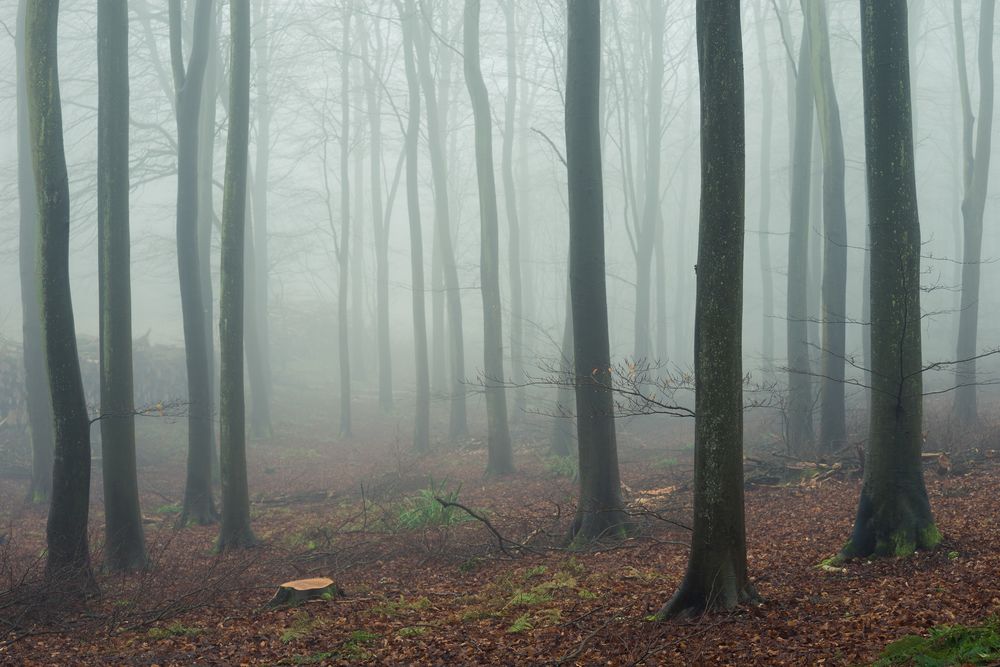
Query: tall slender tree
198,504
599,512
976,162
894,514
764,212
716,576
344,240
38,401
124,543
421,432
501,456
234,530
833,419
66,531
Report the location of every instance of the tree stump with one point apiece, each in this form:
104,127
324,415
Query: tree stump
294,593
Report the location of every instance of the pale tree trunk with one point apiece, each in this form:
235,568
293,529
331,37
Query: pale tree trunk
458,426
421,433
501,457
894,515
716,576
39,403
66,532
976,185
764,212
344,244
124,544
833,419
599,512
198,505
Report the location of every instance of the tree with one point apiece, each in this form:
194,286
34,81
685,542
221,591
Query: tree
234,531
344,241
894,514
501,457
764,213
799,428
421,433
716,576
833,420
976,162
69,507
458,426
124,543
38,401
599,511
198,505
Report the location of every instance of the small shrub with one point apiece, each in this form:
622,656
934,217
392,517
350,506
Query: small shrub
522,623
563,466
424,511
527,598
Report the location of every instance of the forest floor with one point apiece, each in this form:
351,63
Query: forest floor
425,586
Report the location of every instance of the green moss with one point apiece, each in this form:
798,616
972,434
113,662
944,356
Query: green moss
930,537
946,645
835,560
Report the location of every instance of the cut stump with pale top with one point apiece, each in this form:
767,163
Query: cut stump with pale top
293,593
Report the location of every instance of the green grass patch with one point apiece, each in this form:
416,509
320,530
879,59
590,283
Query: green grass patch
391,608
946,645
562,466
171,508
302,625
527,599
412,631
520,624
424,511
176,629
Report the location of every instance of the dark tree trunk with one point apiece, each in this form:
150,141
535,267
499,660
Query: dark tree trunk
599,512
39,403
124,545
833,420
894,515
234,531
458,426
69,507
799,428
716,576
501,456
373,99
977,169
421,432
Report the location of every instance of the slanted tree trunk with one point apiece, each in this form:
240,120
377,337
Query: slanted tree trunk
501,456
66,531
421,432
976,184
124,545
198,505
716,576
798,409
510,208
373,101
458,425
38,401
894,514
234,531
344,245
833,419
599,511
764,212
259,363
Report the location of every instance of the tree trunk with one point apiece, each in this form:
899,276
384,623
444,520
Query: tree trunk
716,576
344,245
833,419
599,511
764,212
563,430
894,515
373,99
513,220
421,433
38,401
68,511
799,429
976,182
501,457
458,426
234,531
124,545
198,505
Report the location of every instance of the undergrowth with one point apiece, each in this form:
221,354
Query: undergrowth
946,645
424,511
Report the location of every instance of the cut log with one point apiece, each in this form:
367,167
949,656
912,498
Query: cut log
294,593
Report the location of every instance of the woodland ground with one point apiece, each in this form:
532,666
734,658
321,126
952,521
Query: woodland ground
448,595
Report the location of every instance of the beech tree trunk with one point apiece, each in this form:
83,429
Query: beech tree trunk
599,512
66,531
894,515
764,212
716,576
234,531
344,244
